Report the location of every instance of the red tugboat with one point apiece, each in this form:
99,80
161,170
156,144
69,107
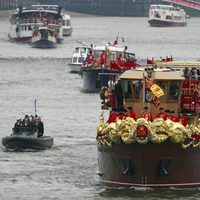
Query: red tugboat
164,152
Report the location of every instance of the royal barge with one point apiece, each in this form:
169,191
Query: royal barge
152,148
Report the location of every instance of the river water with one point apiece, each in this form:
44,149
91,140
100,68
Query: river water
69,169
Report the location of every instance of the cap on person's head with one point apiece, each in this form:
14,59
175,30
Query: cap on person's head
26,115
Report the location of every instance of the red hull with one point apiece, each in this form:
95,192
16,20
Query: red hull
161,23
164,165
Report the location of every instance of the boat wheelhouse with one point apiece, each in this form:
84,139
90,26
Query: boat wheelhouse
106,63
163,152
66,24
25,20
166,16
78,58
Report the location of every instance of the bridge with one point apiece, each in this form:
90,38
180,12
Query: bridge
187,3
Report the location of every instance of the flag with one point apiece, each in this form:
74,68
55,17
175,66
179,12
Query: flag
150,97
116,41
150,62
156,90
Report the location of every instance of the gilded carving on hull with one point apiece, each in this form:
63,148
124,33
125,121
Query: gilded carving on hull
129,131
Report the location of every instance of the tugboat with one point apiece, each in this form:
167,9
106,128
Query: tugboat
103,64
44,38
153,141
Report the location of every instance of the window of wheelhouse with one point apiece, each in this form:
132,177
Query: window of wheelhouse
133,89
174,89
171,89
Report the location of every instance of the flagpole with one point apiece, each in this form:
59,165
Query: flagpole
35,106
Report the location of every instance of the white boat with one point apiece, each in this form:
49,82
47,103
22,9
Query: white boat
66,24
166,16
78,58
24,21
43,38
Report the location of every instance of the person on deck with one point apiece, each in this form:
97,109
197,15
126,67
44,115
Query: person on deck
90,58
102,58
131,113
119,95
161,114
17,127
174,117
40,127
146,114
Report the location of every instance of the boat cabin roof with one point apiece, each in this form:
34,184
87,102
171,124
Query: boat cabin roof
177,64
66,17
111,48
158,74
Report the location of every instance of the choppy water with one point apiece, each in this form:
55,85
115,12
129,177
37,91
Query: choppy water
68,170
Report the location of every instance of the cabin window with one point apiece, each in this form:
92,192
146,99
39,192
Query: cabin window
174,87
81,59
75,59
76,50
163,86
178,18
133,89
97,55
83,50
112,56
168,17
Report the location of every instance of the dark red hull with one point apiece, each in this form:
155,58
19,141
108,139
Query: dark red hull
161,23
164,165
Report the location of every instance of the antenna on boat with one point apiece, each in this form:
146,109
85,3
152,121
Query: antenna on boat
35,106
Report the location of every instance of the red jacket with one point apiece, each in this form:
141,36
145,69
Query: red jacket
147,116
161,115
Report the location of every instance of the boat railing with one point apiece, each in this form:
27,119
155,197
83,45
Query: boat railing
36,20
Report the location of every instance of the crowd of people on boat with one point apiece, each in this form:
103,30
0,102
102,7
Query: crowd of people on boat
146,114
30,125
121,62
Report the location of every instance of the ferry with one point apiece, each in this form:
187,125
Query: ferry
25,20
78,58
166,16
44,38
103,63
152,142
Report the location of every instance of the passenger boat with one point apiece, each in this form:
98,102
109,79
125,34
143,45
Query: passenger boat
44,38
105,65
28,134
79,56
166,16
163,152
25,20
66,25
